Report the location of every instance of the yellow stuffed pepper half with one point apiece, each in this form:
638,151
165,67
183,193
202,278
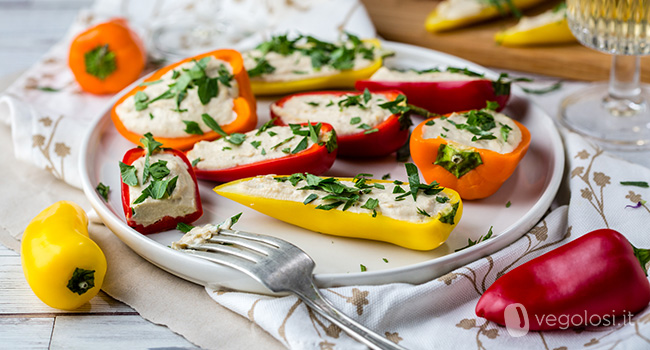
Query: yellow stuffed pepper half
411,215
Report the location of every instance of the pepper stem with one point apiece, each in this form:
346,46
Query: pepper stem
81,281
421,111
100,62
643,255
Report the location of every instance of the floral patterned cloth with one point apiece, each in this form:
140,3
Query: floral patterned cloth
440,314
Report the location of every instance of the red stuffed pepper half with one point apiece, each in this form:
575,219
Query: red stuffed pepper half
441,91
366,124
271,149
159,188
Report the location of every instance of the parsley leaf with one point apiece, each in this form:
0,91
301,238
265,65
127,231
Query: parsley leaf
183,227
479,240
128,174
192,128
103,191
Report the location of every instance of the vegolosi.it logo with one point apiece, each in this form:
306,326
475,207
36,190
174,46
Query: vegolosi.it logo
518,323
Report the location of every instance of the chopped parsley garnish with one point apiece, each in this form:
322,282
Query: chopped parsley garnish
235,138
151,116
442,199
196,161
422,212
642,184
149,83
371,204
479,122
128,174
385,260
373,130
265,127
262,67
340,56
226,148
312,197
505,130
103,191
363,267
385,176
192,128
302,145
508,204
256,144
479,240
183,227
263,151
430,122
159,170
313,104
158,190
355,120
352,100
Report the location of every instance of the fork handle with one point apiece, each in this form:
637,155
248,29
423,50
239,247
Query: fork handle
314,299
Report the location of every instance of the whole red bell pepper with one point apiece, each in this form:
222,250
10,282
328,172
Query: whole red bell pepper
316,160
381,140
599,275
444,97
164,222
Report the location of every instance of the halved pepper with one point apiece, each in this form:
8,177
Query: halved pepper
550,27
444,97
438,21
380,140
343,79
244,106
316,159
162,221
367,224
474,172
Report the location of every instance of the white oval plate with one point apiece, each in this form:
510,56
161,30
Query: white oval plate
531,189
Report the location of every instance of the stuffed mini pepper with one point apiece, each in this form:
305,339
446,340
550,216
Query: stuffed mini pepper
366,124
452,14
270,149
159,188
412,215
473,152
283,65
169,103
441,91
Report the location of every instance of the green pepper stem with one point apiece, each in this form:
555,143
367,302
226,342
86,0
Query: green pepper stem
81,281
643,255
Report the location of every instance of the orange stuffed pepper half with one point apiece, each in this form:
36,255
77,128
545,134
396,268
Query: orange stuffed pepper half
472,152
172,102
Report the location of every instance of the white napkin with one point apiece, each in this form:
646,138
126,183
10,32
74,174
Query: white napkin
49,113
440,314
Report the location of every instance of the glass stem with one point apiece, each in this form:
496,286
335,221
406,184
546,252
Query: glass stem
624,86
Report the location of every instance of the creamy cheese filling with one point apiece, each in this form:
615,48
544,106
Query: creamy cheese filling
454,129
404,210
162,118
200,234
295,66
547,17
274,142
329,108
386,74
456,9
181,202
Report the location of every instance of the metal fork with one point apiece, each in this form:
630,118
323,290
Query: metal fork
281,267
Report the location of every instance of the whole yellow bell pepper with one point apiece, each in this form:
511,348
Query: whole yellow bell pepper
437,21
343,79
418,236
62,265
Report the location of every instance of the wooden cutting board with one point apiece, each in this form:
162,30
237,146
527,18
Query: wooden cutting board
403,21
